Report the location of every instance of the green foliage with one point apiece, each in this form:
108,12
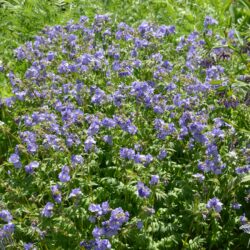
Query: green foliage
181,220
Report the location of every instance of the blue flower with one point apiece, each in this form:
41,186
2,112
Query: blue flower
51,56
109,123
243,170
102,244
143,190
29,246
76,159
127,153
200,177
162,154
231,34
99,97
57,196
89,143
5,215
64,174
97,232
209,21
96,208
108,139
236,205
93,128
139,224
9,228
15,159
30,167
48,210
75,193
117,218
154,179
243,219
215,204
99,209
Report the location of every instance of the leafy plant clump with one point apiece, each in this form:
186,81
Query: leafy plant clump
128,138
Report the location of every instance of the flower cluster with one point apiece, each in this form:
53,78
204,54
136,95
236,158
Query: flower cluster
48,210
7,229
130,154
215,204
115,112
108,228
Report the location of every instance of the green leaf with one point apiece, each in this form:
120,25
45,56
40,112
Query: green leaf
246,178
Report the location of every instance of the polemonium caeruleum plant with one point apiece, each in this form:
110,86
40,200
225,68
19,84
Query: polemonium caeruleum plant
126,139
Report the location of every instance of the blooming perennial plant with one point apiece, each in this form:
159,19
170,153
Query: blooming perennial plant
133,118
